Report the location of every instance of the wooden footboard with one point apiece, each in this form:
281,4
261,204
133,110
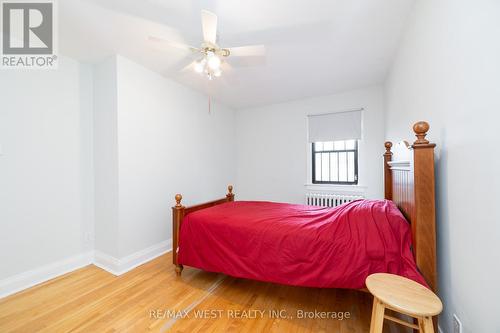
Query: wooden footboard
178,213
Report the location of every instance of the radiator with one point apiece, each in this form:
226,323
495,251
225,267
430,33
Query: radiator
329,199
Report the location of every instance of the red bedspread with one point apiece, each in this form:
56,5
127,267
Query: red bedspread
300,245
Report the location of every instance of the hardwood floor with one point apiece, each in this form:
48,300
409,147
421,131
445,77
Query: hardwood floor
92,300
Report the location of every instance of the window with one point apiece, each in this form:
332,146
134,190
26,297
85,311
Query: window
335,162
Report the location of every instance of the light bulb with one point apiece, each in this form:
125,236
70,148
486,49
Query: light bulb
213,61
198,67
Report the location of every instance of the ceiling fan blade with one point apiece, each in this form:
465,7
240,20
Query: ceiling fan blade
176,45
248,51
188,68
209,25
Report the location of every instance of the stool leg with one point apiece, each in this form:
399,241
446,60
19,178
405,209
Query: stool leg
417,322
377,322
427,325
420,324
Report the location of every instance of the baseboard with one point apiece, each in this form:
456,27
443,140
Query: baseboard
106,262
113,265
117,266
36,276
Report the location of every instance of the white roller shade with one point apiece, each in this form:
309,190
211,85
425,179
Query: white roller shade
335,126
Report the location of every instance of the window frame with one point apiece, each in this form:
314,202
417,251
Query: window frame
313,157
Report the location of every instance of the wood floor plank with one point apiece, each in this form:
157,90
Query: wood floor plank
92,300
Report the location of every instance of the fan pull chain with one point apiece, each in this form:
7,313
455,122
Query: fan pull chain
209,105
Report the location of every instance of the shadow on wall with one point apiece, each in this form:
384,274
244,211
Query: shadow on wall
443,231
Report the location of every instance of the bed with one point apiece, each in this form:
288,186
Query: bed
321,246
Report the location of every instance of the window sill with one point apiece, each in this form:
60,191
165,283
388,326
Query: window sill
340,189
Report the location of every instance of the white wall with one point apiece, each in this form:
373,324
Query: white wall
45,193
153,138
105,143
273,150
447,72
100,151
168,143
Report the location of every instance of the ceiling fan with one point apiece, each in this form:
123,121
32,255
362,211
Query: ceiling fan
211,56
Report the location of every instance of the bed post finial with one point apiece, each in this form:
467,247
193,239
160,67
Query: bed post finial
178,199
421,128
230,194
388,146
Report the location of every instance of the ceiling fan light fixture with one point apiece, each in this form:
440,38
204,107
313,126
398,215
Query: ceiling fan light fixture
213,61
209,65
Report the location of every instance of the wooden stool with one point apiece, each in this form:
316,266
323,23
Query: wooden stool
404,296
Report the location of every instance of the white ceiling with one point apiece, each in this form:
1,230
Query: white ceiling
314,47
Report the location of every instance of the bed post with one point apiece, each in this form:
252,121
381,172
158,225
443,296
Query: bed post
425,210
177,216
230,194
409,183
178,213
387,171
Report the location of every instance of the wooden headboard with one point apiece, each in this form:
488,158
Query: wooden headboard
409,182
